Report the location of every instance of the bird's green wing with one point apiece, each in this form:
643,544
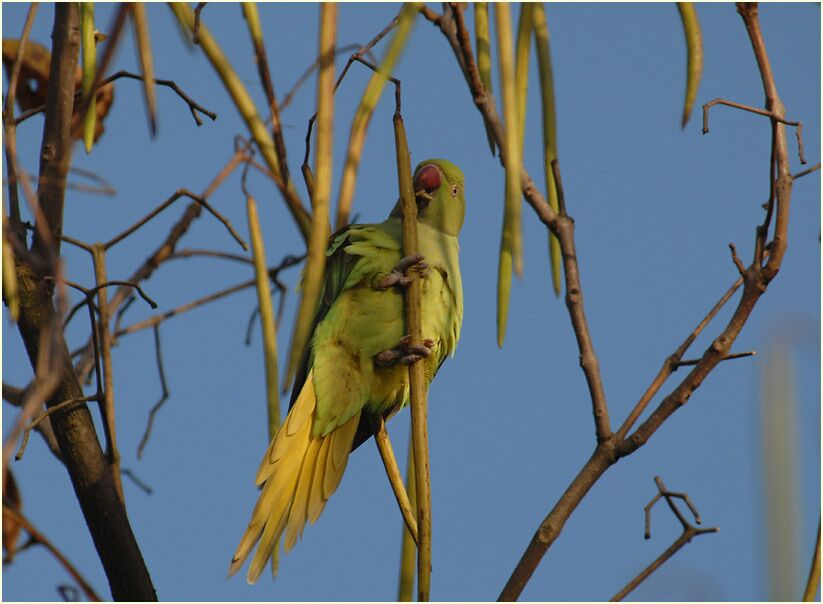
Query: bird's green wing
353,321
339,265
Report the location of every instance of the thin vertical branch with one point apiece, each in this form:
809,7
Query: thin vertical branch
381,439
319,232
256,32
417,378
408,551
109,428
267,323
164,394
577,312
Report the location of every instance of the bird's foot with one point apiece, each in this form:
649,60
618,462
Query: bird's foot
398,274
404,354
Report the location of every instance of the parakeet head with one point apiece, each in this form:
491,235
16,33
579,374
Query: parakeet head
438,188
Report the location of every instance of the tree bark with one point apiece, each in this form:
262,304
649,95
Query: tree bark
104,512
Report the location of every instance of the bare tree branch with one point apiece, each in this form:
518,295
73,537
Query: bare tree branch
161,372
93,483
689,532
755,280
39,538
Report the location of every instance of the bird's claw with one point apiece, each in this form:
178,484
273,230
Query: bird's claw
404,354
398,274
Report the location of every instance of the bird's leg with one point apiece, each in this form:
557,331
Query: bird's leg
405,353
398,274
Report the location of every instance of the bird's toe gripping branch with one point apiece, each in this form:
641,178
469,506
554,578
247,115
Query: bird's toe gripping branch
405,353
398,276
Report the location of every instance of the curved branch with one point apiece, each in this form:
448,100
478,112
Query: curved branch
38,537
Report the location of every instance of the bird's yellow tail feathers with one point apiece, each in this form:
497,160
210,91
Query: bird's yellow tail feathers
298,474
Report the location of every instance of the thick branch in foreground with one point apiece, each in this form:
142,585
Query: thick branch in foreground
55,150
91,477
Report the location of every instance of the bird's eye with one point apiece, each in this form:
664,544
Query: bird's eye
455,190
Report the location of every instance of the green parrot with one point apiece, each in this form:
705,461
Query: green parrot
357,360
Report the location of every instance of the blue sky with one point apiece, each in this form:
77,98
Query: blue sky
655,208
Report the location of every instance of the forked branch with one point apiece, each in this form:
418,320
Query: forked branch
754,280
689,532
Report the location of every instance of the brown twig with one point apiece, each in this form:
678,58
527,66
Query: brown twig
164,251
253,21
88,302
137,481
728,357
46,381
672,361
287,99
806,172
177,195
57,407
764,112
38,537
104,188
195,107
103,325
17,396
287,262
689,533
159,318
164,393
577,313
191,253
68,593
756,278
118,319
89,293
281,289
305,168
196,29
